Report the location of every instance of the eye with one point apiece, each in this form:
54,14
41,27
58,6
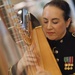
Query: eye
45,22
55,22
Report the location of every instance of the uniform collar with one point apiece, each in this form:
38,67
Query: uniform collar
65,38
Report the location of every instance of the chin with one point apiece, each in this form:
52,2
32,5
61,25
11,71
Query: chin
51,38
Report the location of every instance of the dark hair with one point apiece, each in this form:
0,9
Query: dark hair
63,5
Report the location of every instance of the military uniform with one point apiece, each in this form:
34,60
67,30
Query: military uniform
64,52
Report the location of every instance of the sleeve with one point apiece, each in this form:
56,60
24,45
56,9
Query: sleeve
13,70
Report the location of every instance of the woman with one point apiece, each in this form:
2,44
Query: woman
56,22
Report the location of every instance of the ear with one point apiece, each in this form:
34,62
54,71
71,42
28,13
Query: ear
68,22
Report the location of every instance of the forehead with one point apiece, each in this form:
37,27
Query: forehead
52,12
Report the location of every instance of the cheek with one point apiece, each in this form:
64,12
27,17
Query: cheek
60,28
43,27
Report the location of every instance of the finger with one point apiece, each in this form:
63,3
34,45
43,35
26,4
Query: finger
28,62
31,64
33,45
39,68
42,73
31,48
31,60
30,55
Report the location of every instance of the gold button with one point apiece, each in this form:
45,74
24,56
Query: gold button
61,41
65,68
71,68
56,51
57,60
65,64
71,64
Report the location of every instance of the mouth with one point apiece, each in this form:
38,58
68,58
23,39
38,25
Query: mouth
50,33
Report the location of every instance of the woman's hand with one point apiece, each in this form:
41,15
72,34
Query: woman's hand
41,71
28,59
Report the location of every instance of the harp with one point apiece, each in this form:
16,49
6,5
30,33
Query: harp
46,60
33,34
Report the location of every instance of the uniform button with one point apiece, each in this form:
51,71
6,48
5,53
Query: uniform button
57,60
56,51
61,41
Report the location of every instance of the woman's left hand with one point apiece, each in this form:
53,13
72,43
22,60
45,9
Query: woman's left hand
41,71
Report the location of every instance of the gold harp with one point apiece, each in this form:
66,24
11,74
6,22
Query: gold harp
46,60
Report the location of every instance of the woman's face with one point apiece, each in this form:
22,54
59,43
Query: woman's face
54,25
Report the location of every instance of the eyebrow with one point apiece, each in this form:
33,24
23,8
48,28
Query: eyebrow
55,19
52,19
45,18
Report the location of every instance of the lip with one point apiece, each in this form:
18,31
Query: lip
50,33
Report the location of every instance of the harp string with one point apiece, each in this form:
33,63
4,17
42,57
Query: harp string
14,27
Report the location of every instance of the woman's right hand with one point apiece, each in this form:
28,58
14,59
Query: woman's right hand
28,59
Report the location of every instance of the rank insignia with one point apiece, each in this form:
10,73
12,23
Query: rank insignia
68,63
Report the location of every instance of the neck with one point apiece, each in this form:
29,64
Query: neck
62,35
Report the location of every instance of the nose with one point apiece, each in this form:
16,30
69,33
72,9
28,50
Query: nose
49,26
